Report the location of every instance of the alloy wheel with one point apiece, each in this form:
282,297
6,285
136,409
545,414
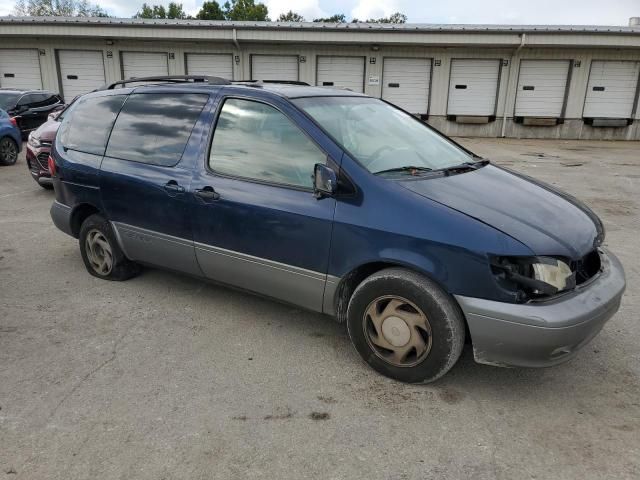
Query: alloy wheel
8,151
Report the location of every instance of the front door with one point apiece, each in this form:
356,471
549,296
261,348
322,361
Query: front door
256,222
145,177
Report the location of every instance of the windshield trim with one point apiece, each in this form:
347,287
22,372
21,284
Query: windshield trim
294,102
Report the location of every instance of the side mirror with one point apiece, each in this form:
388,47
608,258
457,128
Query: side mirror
325,181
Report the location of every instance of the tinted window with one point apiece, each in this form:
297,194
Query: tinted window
87,124
26,100
8,100
155,127
254,140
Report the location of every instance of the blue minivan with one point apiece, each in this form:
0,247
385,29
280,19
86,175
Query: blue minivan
339,203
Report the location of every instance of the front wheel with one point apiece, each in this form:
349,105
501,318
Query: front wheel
8,151
101,253
405,326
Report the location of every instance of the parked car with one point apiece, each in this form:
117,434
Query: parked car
10,139
39,147
30,108
339,203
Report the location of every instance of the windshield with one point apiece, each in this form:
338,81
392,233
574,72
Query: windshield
8,100
381,137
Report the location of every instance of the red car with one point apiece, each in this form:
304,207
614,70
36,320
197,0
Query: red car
38,148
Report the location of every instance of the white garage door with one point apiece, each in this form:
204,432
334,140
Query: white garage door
274,67
405,83
20,68
144,64
473,86
81,71
611,89
341,72
542,85
216,65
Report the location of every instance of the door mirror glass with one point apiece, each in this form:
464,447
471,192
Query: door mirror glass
325,180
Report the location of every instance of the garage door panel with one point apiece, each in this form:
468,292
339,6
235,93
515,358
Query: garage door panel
144,64
405,83
473,87
340,72
542,86
611,89
274,67
215,64
80,72
20,68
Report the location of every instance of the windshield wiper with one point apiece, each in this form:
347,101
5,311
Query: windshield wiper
464,166
407,168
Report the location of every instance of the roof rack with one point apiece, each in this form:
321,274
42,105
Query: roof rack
280,82
171,79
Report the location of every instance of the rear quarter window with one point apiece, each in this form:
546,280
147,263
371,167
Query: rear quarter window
155,127
86,126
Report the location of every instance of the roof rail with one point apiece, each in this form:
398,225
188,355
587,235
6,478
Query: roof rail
170,79
281,82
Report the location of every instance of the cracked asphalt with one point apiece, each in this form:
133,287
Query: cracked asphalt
167,377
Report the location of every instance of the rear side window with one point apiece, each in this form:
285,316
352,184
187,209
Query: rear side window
87,124
155,127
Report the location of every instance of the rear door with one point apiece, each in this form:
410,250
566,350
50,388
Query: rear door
257,224
146,173
340,72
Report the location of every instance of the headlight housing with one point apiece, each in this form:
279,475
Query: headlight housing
533,277
33,141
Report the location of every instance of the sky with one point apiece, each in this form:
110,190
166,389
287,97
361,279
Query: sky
576,12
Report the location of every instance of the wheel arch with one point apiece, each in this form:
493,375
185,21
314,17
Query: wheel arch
79,214
350,281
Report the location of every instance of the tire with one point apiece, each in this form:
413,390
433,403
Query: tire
405,326
101,252
8,151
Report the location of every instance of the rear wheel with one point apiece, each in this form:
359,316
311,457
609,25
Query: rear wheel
405,326
8,151
101,253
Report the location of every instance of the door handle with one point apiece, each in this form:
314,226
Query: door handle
207,193
172,187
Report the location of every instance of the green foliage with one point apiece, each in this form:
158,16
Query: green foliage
210,11
58,8
291,16
337,18
173,10
395,18
245,10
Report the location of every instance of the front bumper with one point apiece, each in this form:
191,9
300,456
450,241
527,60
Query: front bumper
541,334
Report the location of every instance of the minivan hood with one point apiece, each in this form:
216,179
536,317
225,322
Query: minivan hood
546,220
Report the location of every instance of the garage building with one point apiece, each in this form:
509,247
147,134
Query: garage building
478,80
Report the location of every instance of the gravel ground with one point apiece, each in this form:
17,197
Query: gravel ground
167,377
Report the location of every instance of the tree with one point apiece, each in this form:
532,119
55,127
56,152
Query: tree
395,18
58,8
173,10
291,16
210,11
337,18
246,10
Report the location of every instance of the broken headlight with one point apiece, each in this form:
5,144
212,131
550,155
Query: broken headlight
531,277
